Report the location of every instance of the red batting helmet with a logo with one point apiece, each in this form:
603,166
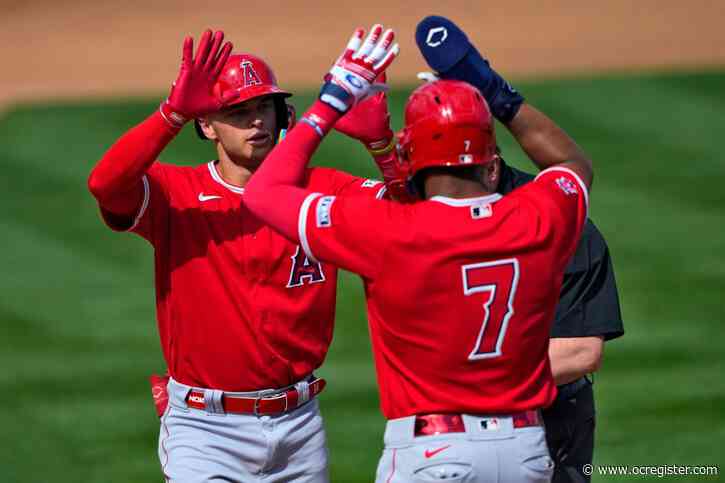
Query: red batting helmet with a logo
447,123
244,77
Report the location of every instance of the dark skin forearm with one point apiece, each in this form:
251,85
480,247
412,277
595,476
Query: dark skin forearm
547,145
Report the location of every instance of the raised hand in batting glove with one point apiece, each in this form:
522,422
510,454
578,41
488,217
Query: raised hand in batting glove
191,94
369,121
352,78
451,55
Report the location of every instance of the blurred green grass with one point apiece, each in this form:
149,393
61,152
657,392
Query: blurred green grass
77,326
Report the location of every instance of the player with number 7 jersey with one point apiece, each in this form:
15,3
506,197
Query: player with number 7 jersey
461,287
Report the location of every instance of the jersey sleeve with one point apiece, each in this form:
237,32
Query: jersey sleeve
560,200
340,183
152,215
589,301
348,231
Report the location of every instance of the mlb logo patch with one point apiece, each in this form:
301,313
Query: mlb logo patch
481,211
490,424
324,207
567,186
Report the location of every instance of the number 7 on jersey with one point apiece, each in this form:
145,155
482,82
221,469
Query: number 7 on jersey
497,280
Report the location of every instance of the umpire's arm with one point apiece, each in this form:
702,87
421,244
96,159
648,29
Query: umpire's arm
574,357
588,313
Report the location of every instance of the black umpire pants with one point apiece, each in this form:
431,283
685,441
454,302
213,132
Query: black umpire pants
570,434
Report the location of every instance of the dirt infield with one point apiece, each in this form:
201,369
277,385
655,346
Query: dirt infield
86,48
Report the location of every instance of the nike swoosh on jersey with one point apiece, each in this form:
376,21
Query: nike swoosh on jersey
203,197
429,454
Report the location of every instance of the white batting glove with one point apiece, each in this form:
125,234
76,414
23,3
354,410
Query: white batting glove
352,77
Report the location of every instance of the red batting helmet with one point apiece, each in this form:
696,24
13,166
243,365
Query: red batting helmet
244,77
447,123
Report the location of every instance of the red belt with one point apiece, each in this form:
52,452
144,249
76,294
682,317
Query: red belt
273,404
431,424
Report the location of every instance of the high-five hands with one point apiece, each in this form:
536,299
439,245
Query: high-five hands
369,120
352,77
191,94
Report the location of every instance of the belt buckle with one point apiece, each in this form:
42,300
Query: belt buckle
435,424
255,407
258,401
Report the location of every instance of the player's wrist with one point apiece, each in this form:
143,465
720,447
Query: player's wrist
173,117
321,117
337,97
381,148
387,164
503,100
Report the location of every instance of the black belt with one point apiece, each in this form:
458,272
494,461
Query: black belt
569,390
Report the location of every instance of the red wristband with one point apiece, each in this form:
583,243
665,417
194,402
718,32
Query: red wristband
173,118
321,117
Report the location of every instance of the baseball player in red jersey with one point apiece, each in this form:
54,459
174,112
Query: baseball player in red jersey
244,316
462,287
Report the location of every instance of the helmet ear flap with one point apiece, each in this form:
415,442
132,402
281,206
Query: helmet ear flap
291,116
199,131
281,113
415,185
286,117
404,165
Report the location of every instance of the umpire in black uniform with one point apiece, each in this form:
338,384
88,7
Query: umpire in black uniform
588,314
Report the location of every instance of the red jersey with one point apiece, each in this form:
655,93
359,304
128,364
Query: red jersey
239,307
461,293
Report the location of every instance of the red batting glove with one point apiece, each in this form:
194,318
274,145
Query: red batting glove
159,392
369,121
191,94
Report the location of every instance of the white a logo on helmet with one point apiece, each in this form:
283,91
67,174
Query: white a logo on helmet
250,75
436,36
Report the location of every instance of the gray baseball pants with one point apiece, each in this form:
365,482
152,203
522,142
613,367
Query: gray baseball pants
212,446
490,450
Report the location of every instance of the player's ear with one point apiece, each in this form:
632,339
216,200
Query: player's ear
207,128
492,173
